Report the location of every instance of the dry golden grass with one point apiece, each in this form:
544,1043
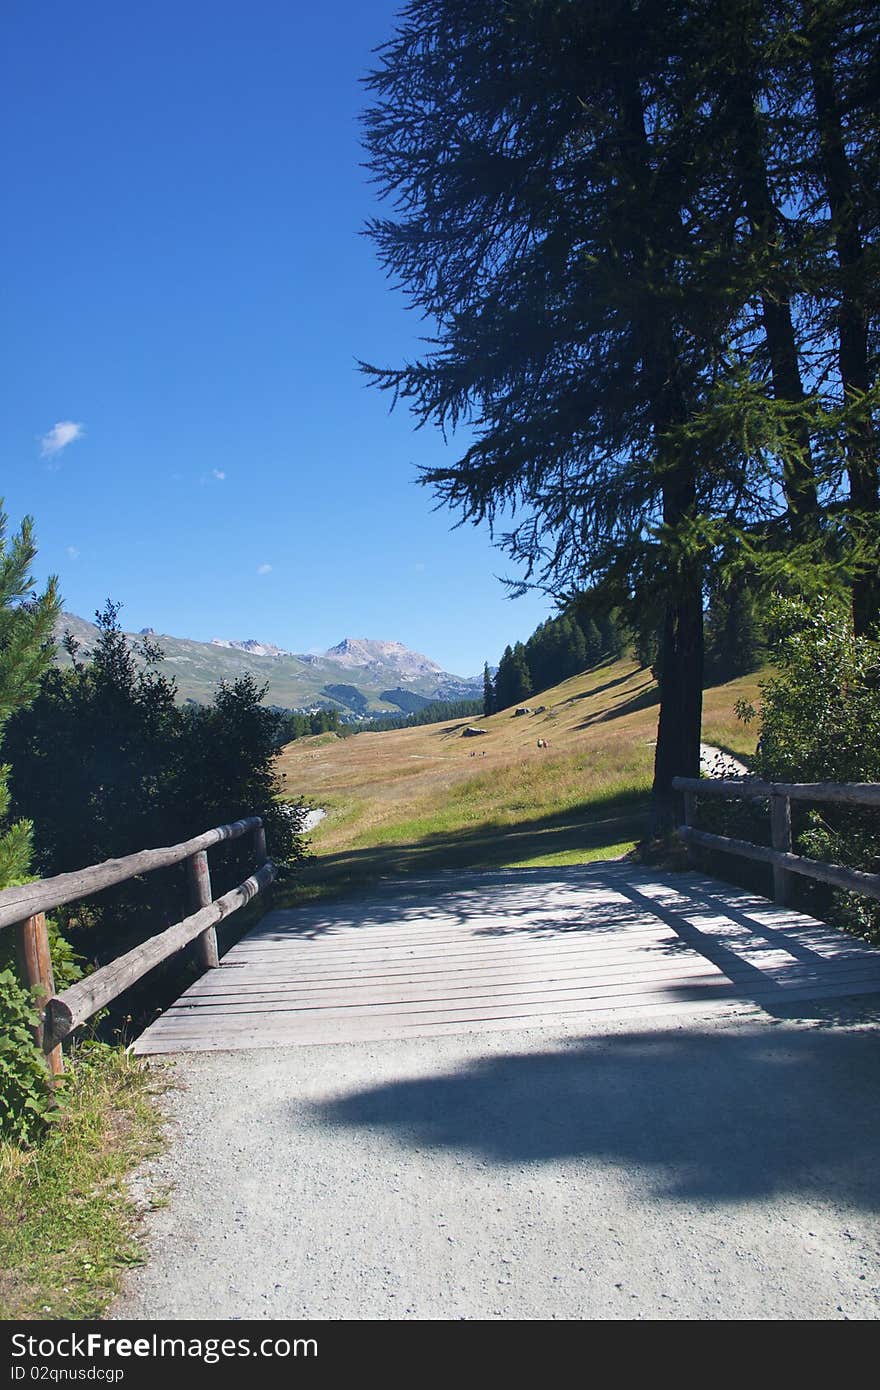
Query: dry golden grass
429,797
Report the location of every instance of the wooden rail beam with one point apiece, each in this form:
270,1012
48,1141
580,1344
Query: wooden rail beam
751,789
67,1011
31,898
852,880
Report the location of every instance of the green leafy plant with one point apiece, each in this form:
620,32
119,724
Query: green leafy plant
25,1101
820,712
26,647
820,722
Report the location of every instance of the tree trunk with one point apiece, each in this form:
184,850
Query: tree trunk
852,317
681,654
799,480
681,668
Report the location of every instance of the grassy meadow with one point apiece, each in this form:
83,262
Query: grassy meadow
427,798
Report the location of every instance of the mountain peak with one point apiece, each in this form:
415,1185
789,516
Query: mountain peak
296,681
372,653
250,644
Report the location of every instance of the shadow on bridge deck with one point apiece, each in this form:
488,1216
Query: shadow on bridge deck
471,952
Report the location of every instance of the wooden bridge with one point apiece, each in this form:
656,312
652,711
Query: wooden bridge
470,952
477,952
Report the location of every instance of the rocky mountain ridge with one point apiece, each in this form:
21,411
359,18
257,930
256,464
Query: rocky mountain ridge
295,680
352,653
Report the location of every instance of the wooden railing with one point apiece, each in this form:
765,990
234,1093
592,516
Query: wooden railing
24,909
780,795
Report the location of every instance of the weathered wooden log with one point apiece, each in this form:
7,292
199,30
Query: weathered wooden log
35,966
852,880
199,876
67,1011
47,893
847,793
260,851
731,789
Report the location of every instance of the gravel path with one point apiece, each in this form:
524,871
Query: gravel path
716,763
692,1168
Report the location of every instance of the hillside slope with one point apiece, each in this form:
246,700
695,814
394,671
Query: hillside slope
432,797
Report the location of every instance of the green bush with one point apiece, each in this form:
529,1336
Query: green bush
106,762
820,722
26,1105
25,1101
820,712
26,648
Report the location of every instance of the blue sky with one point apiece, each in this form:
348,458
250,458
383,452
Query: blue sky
186,296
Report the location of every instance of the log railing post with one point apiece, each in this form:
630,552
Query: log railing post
260,852
780,834
35,964
200,893
690,817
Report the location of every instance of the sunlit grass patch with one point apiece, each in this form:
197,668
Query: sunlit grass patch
420,799
575,856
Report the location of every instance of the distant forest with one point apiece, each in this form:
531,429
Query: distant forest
292,725
584,635
562,646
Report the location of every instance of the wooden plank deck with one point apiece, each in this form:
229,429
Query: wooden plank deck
509,949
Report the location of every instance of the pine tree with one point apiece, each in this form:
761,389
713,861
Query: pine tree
577,310
26,626
738,41
592,641
574,648
488,691
791,85
610,211
26,648
520,680
536,658
612,641
735,632
841,39
504,680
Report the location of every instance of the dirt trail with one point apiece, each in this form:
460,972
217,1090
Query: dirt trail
692,1168
716,763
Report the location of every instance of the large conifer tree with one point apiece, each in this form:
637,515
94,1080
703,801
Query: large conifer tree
643,231
542,158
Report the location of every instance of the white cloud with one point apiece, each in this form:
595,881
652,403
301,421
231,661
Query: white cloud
264,569
218,474
73,552
62,433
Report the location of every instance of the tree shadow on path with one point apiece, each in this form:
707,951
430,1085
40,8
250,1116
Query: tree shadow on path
703,1115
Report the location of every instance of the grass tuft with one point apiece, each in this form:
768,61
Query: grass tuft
68,1224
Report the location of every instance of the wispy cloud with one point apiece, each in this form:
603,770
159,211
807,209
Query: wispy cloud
264,569
73,552
218,474
62,433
